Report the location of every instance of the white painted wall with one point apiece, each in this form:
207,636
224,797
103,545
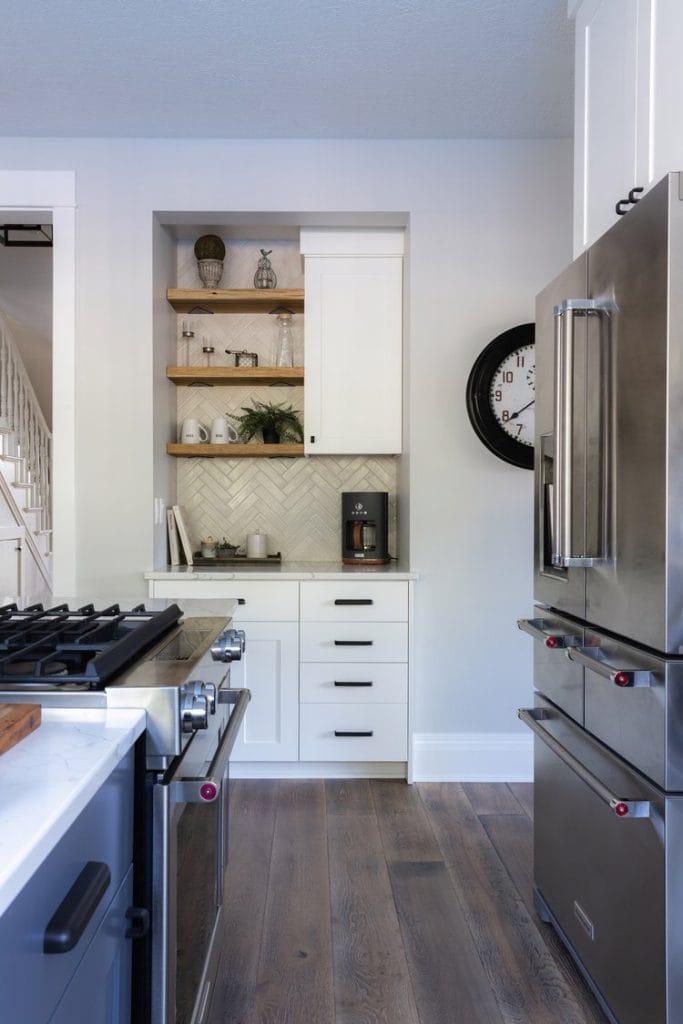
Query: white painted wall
489,225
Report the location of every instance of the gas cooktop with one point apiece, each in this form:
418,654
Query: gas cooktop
84,647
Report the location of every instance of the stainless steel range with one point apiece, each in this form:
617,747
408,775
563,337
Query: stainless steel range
608,657
176,670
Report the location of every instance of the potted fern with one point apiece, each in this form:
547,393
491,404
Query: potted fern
276,421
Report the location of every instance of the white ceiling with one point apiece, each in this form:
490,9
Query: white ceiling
293,69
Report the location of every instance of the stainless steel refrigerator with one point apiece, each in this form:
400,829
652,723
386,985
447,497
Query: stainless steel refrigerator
608,625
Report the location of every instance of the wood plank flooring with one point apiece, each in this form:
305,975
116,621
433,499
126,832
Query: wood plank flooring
375,902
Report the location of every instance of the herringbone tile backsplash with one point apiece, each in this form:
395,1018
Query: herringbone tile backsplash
297,502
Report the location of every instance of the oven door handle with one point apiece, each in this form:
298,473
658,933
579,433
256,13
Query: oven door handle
206,789
593,659
623,808
552,638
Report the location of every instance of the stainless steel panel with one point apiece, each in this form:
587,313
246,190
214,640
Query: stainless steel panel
562,588
555,676
638,592
643,723
603,876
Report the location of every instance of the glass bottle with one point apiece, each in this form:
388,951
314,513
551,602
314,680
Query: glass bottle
285,348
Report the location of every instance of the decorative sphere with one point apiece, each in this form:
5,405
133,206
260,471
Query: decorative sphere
209,247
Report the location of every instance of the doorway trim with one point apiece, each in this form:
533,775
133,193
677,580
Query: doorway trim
56,191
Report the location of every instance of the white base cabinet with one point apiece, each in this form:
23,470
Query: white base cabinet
328,668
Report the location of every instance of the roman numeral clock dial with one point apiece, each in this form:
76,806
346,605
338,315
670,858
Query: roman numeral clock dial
501,396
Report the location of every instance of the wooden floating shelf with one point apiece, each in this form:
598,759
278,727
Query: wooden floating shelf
235,300
236,375
236,451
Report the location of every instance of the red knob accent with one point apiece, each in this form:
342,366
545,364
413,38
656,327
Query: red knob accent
621,809
208,791
551,641
622,678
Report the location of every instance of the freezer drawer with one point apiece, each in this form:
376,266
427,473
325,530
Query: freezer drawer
634,704
602,868
555,676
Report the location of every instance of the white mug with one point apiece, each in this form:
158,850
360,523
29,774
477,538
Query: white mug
222,432
192,432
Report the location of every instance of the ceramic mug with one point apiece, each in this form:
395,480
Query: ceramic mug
192,432
222,432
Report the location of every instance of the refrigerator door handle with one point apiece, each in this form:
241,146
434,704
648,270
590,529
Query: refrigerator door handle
563,555
622,808
593,659
549,636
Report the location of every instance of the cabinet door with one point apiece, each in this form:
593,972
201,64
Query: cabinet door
611,149
667,85
353,343
270,731
100,990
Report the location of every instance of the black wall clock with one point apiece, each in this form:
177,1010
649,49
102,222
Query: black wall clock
500,396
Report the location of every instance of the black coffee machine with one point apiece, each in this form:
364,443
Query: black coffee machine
365,527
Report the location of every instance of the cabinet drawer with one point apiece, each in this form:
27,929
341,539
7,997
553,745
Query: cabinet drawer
32,981
351,601
268,601
354,641
386,725
357,683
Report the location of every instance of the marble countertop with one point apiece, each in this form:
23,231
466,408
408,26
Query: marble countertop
48,778
282,571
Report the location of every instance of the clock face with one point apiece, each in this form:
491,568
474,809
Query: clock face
501,396
512,395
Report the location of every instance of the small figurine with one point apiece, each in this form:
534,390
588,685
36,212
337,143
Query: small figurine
265,275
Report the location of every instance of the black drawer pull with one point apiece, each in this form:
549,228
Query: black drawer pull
241,600
343,732
139,922
349,682
71,917
354,600
353,643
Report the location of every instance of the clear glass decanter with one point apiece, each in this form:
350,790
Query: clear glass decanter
285,347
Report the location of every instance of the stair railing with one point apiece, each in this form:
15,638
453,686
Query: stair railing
26,437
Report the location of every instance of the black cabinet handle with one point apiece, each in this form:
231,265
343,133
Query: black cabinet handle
70,919
618,208
634,193
354,600
241,600
342,732
342,682
353,643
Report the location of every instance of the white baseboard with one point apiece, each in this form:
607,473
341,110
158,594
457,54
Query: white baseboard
317,770
472,757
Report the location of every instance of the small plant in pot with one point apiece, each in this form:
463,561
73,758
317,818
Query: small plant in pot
276,421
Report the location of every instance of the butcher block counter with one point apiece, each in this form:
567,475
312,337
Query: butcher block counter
49,777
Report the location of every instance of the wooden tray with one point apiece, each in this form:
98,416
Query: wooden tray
16,722
237,560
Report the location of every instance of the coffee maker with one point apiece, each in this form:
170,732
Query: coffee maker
365,527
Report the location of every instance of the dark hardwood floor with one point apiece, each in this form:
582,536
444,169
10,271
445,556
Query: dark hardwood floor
375,902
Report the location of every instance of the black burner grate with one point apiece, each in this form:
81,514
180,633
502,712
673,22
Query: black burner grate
60,646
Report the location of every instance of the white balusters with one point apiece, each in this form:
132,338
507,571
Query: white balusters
24,434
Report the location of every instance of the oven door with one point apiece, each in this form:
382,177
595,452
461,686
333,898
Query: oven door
190,841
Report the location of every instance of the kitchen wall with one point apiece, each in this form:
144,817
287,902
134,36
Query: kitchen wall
489,225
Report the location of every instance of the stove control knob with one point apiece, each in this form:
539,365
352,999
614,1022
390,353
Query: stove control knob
207,690
194,712
229,646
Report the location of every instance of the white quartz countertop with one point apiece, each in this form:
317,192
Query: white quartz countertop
48,778
282,571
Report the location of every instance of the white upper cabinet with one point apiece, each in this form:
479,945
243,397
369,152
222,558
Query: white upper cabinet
353,341
629,120
611,132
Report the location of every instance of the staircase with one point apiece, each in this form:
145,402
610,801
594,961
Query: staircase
25,458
